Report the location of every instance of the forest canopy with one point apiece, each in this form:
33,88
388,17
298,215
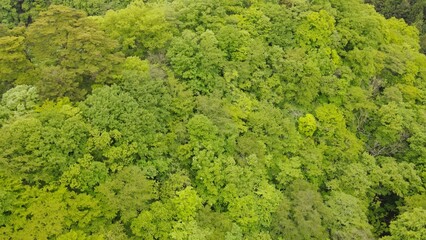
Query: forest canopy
212,119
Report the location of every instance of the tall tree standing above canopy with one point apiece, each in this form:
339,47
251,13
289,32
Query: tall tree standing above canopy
139,28
70,51
13,61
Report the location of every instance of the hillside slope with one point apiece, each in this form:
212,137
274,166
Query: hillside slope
210,119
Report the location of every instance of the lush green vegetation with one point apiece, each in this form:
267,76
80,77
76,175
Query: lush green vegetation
412,11
210,119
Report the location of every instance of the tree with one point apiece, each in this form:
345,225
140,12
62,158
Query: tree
20,99
332,133
48,213
71,52
125,194
139,28
93,7
307,125
200,15
39,147
197,59
348,218
85,175
154,223
8,13
13,61
133,130
21,12
409,225
307,215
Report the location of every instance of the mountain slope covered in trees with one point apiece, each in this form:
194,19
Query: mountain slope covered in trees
412,11
210,119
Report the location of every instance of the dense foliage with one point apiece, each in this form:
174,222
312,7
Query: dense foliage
210,119
412,11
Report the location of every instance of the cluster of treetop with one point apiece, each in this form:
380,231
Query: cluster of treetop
212,119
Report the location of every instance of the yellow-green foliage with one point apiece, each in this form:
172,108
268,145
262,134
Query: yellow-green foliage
212,119
307,125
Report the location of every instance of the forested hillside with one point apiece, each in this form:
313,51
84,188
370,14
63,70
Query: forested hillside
412,11
210,119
